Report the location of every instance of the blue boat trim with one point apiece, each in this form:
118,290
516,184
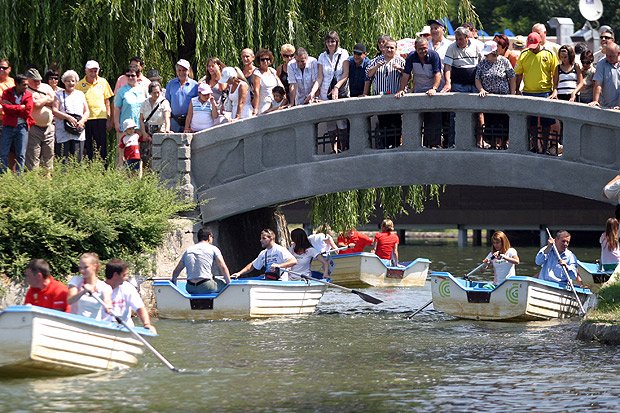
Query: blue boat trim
74,317
480,286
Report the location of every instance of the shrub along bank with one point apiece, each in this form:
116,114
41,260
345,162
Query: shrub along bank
82,207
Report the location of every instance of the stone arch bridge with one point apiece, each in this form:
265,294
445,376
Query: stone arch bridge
281,157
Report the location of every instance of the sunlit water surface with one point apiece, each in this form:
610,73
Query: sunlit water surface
352,356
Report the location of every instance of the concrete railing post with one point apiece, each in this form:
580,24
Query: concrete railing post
172,159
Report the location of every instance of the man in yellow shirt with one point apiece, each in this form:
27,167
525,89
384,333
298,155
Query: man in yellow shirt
535,68
98,93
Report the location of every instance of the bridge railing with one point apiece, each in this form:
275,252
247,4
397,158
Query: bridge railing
289,138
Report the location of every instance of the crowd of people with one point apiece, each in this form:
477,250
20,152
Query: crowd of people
62,115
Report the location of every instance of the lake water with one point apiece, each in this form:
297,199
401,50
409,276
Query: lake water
352,356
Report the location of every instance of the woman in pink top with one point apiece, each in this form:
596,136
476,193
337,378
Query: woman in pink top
610,250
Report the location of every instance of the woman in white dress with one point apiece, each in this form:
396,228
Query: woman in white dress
239,93
305,253
79,287
70,104
264,80
503,258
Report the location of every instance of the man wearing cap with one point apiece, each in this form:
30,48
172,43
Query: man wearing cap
179,92
535,67
606,35
425,67
438,42
425,33
17,105
154,76
606,93
40,150
303,73
137,64
98,93
542,32
357,70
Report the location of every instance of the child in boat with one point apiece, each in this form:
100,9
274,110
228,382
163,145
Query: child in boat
385,245
502,257
610,248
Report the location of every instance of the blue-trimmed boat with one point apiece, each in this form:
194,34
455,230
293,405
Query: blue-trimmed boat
364,269
37,341
516,298
242,298
594,275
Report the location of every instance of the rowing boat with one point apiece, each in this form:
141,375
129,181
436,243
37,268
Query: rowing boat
594,275
37,341
364,269
242,298
517,298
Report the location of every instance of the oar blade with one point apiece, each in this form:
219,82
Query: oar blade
368,298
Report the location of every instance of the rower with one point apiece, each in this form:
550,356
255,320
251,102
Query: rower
270,260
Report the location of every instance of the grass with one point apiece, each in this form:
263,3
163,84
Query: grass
608,309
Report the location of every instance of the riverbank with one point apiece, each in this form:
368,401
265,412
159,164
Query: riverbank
603,323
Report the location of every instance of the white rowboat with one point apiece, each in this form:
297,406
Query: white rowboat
242,298
517,298
594,275
364,269
37,341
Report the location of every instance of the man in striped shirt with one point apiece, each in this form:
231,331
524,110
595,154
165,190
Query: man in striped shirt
385,72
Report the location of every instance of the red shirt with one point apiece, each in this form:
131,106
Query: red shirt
386,241
14,110
360,241
53,296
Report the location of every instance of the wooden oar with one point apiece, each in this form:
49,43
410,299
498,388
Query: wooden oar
431,301
582,311
138,336
363,296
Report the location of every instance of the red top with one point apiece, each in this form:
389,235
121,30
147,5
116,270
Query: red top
360,241
14,111
53,296
386,241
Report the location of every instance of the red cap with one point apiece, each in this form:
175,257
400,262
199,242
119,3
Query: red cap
533,40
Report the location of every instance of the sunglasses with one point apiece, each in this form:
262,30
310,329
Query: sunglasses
358,53
265,59
606,37
130,75
587,62
287,55
4,67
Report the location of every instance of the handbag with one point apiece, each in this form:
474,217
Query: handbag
152,129
343,92
73,130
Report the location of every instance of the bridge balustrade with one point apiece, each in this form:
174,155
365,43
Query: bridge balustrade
289,154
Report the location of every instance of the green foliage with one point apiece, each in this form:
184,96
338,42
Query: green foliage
344,210
71,32
608,309
82,207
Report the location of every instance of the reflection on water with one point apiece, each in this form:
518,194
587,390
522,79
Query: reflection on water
352,356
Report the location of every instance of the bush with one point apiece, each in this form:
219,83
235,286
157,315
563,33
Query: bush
82,207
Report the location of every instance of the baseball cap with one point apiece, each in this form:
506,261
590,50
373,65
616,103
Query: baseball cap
204,89
359,48
436,21
183,63
92,64
153,74
425,30
520,41
489,47
533,40
227,73
128,123
33,74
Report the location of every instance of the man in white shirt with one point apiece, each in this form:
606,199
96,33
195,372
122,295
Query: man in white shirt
271,259
303,73
125,297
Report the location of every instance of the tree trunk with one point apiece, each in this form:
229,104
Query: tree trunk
238,237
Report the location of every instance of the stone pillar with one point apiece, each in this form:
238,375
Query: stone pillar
462,239
172,159
476,238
